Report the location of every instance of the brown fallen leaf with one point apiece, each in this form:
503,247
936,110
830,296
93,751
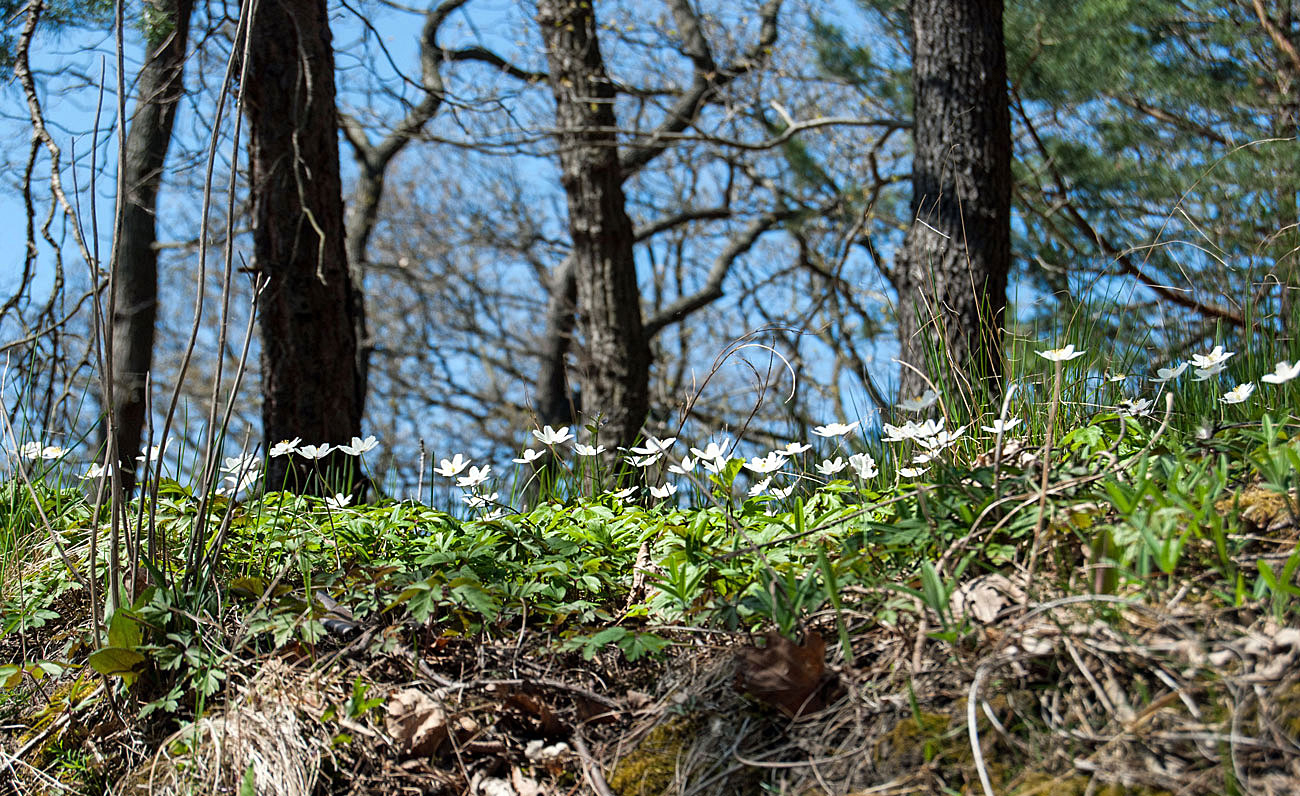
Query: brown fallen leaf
984,597
532,715
416,723
790,677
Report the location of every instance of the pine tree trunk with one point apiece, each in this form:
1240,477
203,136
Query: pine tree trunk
135,281
614,373
310,381
951,276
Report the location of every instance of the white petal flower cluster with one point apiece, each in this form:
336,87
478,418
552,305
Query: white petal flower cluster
661,492
832,466
1238,394
1211,364
1135,407
864,466
475,477
35,450
919,403
1282,373
313,452
1001,426
359,446
912,430
770,463
529,456
1164,375
285,447
480,501
835,429
550,437
650,451
98,471
714,456
1061,354
153,454
450,468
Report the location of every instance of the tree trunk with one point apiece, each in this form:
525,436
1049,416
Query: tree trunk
365,203
951,276
615,372
555,403
310,380
135,283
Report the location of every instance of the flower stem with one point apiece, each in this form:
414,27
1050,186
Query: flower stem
1044,461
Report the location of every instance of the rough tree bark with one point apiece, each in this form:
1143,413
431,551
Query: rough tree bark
555,402
614,375
951,276
311,385
161,85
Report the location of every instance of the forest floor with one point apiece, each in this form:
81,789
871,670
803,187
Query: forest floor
1132,630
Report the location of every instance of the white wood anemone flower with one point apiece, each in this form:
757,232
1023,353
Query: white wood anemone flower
1061,354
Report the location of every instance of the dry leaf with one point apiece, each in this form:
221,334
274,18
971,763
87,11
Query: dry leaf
532,714
790,677
416,723
983,597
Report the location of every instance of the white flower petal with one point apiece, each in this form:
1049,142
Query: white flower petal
864,466
831,467
1238,394
549,436
919,403
1282,373
1001,426
475,477
835,429
1061,354
452,467
527,457
667,490
1169,374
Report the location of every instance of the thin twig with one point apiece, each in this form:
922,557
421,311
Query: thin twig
590,768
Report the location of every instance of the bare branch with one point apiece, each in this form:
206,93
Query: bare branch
681,217
707,81
712,289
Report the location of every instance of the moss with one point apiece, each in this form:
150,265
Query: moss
650,768
927,739
61,700
913,740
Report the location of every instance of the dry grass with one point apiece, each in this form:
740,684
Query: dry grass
259,734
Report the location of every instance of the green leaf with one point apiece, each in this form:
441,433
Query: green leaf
471,593
248,785
248,587
11,674
636,645
117,662
608,635
123,630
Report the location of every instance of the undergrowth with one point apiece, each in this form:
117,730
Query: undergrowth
1146,501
